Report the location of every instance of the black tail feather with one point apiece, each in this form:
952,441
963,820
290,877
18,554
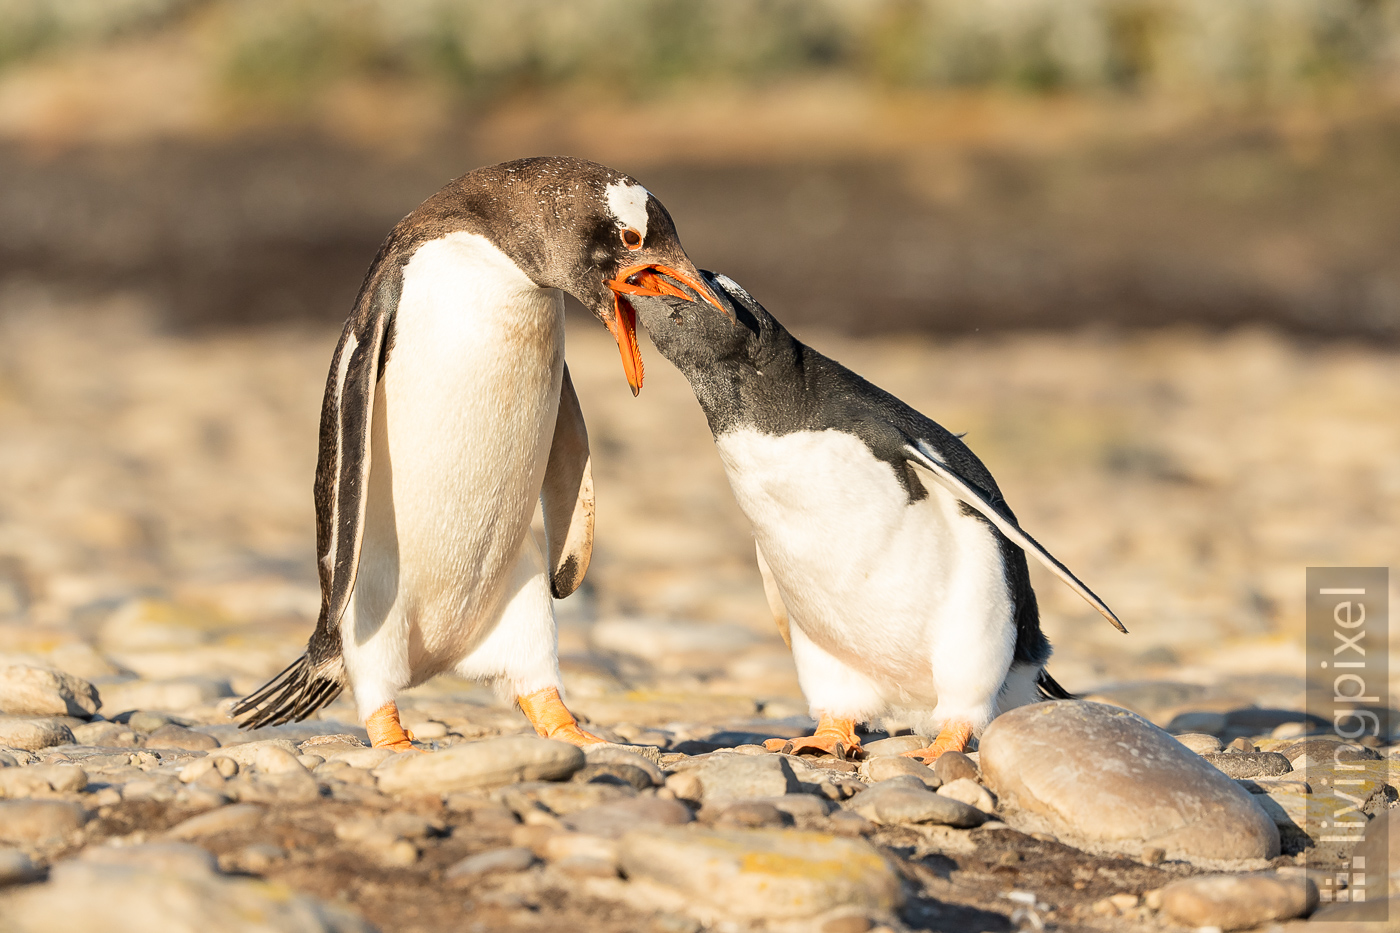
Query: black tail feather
292,695
1050,688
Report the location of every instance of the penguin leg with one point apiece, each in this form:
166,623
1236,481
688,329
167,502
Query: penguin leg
385,730
969,663
840,697
953,737
374,644
520,655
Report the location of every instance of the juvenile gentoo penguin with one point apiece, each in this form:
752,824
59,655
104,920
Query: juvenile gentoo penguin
448,412
892,564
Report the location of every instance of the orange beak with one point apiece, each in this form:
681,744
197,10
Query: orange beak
624,330
648,279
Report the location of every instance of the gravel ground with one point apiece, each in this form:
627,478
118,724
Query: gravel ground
156,543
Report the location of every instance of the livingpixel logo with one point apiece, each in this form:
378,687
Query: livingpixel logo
1348,658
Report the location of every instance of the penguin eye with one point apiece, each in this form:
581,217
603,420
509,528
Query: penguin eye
631,238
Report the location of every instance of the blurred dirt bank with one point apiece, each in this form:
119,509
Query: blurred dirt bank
1217,224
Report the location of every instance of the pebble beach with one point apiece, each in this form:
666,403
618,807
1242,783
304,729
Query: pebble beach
157,561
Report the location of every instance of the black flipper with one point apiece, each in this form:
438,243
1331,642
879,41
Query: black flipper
342,476
922,454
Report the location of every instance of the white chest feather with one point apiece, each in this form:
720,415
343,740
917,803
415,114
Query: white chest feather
864,572
463,419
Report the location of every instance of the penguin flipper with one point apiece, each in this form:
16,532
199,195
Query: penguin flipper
566,497
342,478
775,597
923,457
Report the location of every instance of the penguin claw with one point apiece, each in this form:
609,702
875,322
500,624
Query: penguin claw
833,737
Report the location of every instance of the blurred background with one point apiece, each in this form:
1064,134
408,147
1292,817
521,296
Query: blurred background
1142,251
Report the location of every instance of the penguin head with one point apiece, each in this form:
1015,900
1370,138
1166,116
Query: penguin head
695,336
593,232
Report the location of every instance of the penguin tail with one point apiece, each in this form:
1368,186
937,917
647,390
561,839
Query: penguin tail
1050,689
291,696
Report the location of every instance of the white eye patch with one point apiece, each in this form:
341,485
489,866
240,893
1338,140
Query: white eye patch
628,203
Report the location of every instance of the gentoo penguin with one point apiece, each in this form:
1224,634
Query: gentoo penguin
448,413
892,564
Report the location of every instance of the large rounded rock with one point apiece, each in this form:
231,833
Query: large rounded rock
1108,780
480,764
37,691
1238,902
762,874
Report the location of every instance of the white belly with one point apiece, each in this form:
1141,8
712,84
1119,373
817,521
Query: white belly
883,584
463,419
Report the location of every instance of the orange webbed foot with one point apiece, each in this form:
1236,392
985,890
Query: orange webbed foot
836,737
953,738
551,718
385,730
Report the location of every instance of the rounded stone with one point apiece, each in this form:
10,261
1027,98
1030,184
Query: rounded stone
1111,781
621,816
1238,902
228,819
971,793
1326,749
143,894
891,766
1200,742
490,862
368,758
173,736
1249,764
954,766
169,858
145,721
37,691
893,746
763,874
34,734
749,814
895,801
16,868
487,763
39,821
645,759
104,734
42,779
742,777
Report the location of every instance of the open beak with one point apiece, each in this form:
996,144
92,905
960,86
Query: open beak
649,279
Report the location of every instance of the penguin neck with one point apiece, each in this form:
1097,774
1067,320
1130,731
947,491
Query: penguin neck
764,368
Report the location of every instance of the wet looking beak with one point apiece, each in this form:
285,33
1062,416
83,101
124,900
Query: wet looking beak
653,280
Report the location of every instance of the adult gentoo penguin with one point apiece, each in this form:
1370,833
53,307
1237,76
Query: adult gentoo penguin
894,568
448,413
